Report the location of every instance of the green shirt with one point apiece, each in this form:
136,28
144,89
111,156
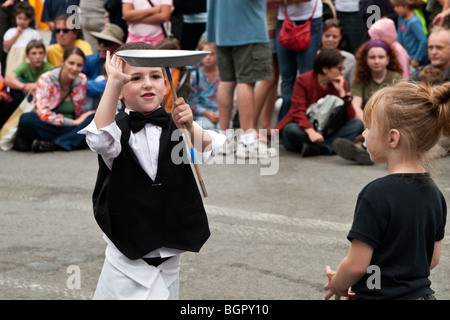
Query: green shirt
66,108
360,90
24,71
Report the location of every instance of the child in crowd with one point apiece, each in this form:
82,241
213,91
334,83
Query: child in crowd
148,207
181,77
431,75
23,79
399,219
16,39
204,85
410,32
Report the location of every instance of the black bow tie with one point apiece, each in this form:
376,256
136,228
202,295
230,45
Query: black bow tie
159,117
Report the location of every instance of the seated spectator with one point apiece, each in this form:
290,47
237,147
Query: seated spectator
60,102
332,35
384,29
52,9
327,78
431,76
410,32
181,76
22,80
438,52
15,39
7,104
65,38
204,84
376,65
110,38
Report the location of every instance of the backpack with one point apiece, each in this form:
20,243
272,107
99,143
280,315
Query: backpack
327,115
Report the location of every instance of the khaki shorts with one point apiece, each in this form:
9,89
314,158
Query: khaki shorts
245,64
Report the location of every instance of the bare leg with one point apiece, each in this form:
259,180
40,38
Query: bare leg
225,95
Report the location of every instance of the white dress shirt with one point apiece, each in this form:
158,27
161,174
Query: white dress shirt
122,278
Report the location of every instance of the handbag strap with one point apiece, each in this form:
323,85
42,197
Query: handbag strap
162,26
285,9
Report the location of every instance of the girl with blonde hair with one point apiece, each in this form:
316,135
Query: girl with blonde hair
400,218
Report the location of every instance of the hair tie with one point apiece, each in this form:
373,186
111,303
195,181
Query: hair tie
377,43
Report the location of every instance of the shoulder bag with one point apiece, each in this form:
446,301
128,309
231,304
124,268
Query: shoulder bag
293,37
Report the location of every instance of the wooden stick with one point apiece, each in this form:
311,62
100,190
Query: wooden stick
188,137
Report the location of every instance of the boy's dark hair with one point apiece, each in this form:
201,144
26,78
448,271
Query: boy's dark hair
73,50
34,44
28,10
411,4
327,58
431,76
136,46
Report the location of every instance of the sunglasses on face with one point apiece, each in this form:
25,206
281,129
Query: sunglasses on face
63,30
106,43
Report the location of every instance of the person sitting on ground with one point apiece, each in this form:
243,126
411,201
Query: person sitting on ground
7,104
204,85
376,66
438,52
23,79
327,78
332,35
15,39
110,38
384,29
60,102
66,37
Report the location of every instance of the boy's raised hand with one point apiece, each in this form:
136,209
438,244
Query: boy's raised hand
182,114
114,68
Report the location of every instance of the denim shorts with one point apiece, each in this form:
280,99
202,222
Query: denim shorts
245,64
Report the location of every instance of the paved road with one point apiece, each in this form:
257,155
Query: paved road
272,235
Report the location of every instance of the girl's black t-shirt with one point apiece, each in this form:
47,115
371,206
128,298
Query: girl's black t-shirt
401,216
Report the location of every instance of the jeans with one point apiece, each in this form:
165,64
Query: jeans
296,62
294,137
31,127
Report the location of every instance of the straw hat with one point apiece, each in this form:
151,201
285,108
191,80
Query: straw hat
111,32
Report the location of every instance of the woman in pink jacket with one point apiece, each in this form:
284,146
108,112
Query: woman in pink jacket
60,103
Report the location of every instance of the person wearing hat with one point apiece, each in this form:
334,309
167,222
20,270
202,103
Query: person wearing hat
109,39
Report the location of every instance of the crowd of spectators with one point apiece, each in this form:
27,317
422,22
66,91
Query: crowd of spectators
398,42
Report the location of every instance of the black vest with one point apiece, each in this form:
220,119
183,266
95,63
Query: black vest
140,215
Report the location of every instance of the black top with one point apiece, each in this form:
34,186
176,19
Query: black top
401,216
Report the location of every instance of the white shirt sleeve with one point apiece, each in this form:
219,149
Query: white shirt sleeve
104,141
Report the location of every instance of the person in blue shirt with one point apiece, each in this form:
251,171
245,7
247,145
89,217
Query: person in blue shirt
410,33
110,38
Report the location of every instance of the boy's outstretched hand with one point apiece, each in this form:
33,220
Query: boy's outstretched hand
114,69
182,114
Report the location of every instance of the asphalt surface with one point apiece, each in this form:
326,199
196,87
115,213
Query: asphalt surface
272,234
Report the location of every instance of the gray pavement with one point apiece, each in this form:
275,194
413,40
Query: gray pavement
272,235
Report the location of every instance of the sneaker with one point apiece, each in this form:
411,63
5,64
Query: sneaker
255,150
43,146
348,150
229,147
309,150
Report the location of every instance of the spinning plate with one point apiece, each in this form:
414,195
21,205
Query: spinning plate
162,58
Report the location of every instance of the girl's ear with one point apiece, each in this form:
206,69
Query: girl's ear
394,138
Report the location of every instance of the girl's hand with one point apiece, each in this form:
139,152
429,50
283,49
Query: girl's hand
182,114
114,69
330,274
